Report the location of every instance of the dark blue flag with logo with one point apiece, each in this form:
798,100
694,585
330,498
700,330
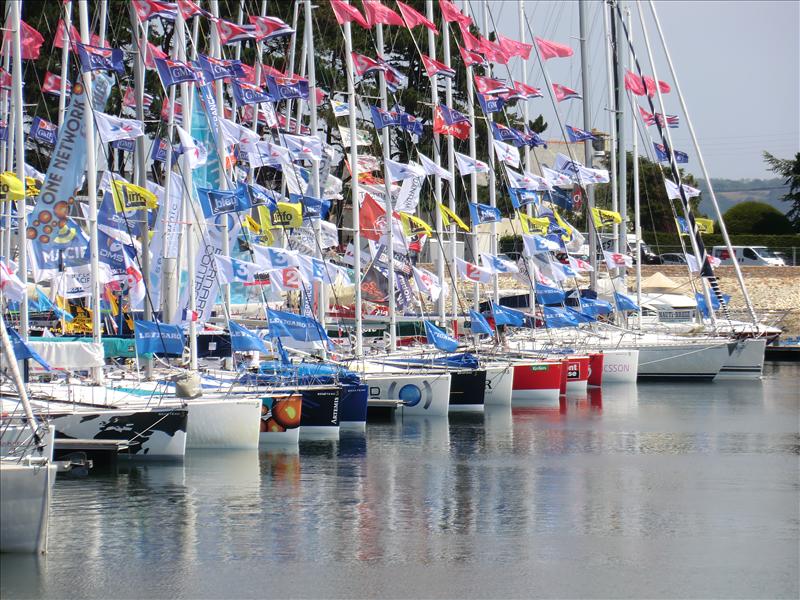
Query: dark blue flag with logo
125,145
562,198
313,208
478,323
451,116
490,104
217,202
546,294
247,93
383,118
216,68
556,316
261,196
663,154
532,138
94,58
483,213
153,337
409,122
295,330
507,316
505,134
159,151
576,134
522,197
44,131
173,72
244,340
287,88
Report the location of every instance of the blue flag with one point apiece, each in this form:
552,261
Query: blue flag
3,131
93,58
287,88
247,93
409,122
533,139
507,316
483,213
703,307
153,337
44,131
624,302
215,68
521,196
124,145
217,202
439,338
23,351
490,104
506,134
556,317
383,118
578,135
261,196
662,154
313,208
451,116
45,304
244,340
479,324
595,308
173,72
296,330
546,294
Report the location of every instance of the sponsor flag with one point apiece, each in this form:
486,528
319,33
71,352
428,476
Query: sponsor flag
296,331
431,168
673,193
364,65
506,153
490,104
467,165
617,260
153,337
94,58
244,340
231,270
195,152
514,47
554,178
662,154
562,93
548,49
487,85
705,225
111,128
150,9
589,176
603,217
451,14
447,121
471,57
215,68
230,33
414,18
346,13
625,302
478,323
129,197
398,171
247,93
536,244
507,316
578,264
497,265
383,118
448,215
436,336
303,146
52,84
288,88
269,27
340,109
473,272
44,131
557,316
434,67
427,283
173,72
576,134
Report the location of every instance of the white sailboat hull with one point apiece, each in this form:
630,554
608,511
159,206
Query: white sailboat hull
25,492
746,360
693,361
499,385
227,424
620,366
423,394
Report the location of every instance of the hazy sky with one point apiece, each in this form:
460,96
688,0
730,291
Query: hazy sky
738,65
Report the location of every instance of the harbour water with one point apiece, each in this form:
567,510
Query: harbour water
679,490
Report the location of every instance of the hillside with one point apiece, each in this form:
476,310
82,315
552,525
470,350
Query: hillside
733,191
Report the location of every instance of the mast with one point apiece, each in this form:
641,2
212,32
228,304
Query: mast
473,177
62,95
703,168
612,123
587,145
254,124
637,215
492,180
527,148
388,199
91,176
448,98
622,170
437,158
351,119
19,152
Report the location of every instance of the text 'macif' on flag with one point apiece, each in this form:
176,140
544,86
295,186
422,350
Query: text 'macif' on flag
549,49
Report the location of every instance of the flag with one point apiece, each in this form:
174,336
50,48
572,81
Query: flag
30,41
674,194
44,131
371,219
414,18
364,65
303,146
705,225
532,138
549,49
436,336
233,133
398,171
578,135
149,9
554,178
94,58
247,93
173,72
231,270
484,213
195,152
427,283
525,91
490,104
506,153
431,168
137,289
215,68
487,85
562,93
230,33
151,53
11,285
448,215
129,197
471,58
375,12
497,265
244,340
340,109
514,47
346,13
493,52
536,244
588,176
633,83
111,128
153,337
288,88
269,27
383,118
130,100
394,78
434,67
52,84
625,302
602,217
189,9
507,316
217,202
478,323
526,180
473,272
616,260
447,121
467,165
451,14
23,350
662,154
578,264
287,215
296,331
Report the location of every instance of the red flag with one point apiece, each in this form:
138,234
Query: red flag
487,85
30,41
5,79
375,13
151,53
414,18
459,130
75,36
515,48
269,27
471,58
320,95
165,110
371,219
494,52
434,67
149,9
345,13
230,33
469,41
451,14
363,65
634,83
564,93
526,91
51,83
189,9
550,49
647,117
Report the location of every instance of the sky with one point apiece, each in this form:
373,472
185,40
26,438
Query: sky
738,65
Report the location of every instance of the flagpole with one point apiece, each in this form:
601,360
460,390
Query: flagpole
91,175
62,88
490,150
448,98
527,151
587,144
254,124
723,229
622,157
141,173
351,120
5,148
387,200
19,151
637,217
473,154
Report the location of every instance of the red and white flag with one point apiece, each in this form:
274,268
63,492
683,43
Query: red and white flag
51,84
487,85
617,260
413,18
514,47
230,33
550,49
473,272
363,65
434,68
580,265
562,93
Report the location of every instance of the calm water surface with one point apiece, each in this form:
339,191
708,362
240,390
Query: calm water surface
660,490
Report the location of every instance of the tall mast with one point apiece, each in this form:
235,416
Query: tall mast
622,170
388,200
437,158
448,98
714,202
19,152
62,95
526,118
637,215
587,145
473,178
491,161
351,121
259,52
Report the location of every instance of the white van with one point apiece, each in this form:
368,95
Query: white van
748,256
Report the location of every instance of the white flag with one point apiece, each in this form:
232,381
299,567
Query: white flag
554,178
230,270
589,176
506,153
616,260
580,265
305,147
234,133
263,154
340,109
273,259
11,285
473,272
466,165
137,290
398,171
111,129
495,264
431,168
674,194
428,283
194,151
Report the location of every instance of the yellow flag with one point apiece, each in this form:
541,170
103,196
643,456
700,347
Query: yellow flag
251,224
11,187
541,224
567,236
129,197
288,214
602,217
448,214
412,225
30,187
705,225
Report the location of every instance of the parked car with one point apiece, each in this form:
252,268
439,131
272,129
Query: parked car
672,258
748,256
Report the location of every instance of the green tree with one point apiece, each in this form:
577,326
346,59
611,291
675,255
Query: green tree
790,170
756,218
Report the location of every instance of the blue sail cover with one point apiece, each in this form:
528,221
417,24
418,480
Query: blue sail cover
280,373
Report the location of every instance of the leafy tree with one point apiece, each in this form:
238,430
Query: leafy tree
790,170
755,218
